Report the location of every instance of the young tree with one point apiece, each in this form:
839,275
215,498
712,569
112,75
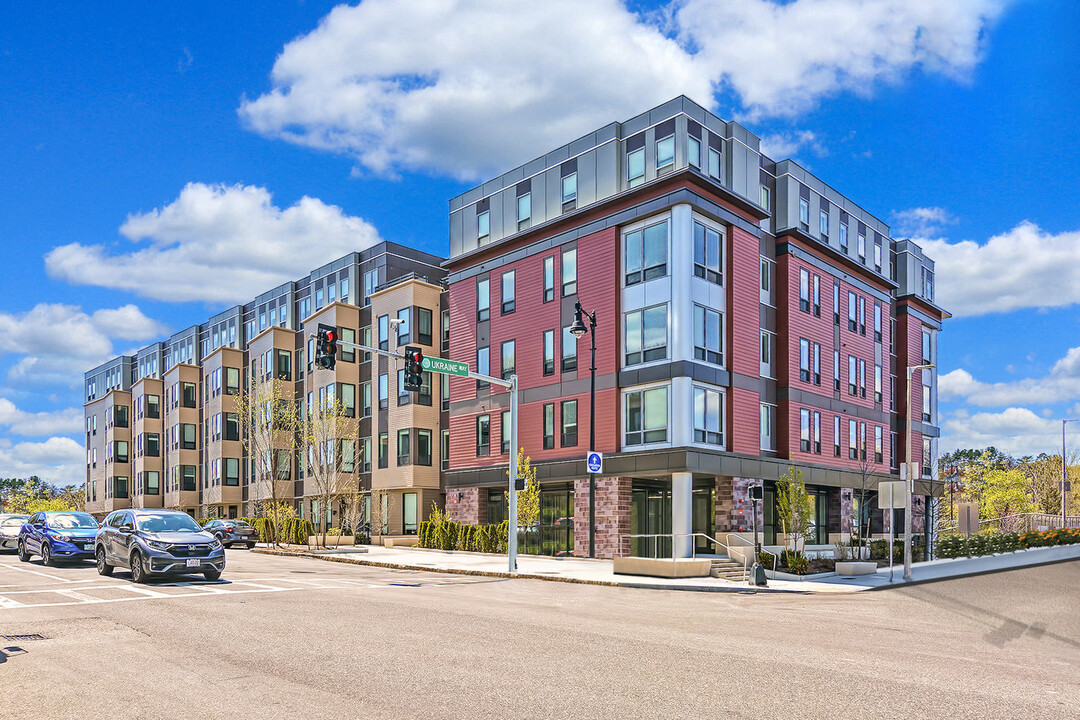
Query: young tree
270,425
1006,493
328,441
528,500
794,506
865,485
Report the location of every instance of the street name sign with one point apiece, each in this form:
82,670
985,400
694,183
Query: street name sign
444,366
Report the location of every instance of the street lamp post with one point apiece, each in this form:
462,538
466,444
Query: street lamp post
910,476
577,330
1064,477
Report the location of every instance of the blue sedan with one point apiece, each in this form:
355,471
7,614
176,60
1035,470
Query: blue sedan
57,536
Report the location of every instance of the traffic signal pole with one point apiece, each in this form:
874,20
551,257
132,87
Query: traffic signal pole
510,384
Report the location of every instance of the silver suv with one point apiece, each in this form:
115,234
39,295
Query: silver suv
157,542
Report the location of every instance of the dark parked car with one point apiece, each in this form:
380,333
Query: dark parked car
232,532
61,535
157,542
10,525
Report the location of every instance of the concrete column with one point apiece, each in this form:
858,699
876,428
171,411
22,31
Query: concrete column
682,523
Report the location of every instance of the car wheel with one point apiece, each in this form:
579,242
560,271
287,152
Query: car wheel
212,575
138,572
24,556
46,554
103,567
251,546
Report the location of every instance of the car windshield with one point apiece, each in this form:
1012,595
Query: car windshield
71,521
8,522
167,522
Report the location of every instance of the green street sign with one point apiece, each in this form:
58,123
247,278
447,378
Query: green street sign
444,366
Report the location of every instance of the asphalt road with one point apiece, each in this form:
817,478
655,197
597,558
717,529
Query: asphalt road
296,638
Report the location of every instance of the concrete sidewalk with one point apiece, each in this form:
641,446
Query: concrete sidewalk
600,572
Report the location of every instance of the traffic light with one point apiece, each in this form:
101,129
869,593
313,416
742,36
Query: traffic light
326,346
414,368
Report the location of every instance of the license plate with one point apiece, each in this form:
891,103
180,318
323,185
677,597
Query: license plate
193,562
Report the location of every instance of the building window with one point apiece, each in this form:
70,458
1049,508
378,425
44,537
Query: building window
569,423
927,458
804,359
646,253
693,151
371,281
646,416
646,335
549,279
707,335
445,454
766,281
714,163
569,272
879,456
708,426
483,300
877,255
403,447
404,328
569,188
347,394
862,378
509,362
569,350
817,296
524,210
635,167
877,322
766,368
836,435
445,319
187,478
707,262
852,387
665,153
767,426
153,440
817,432
853,453
483,365
861,248
483,225
823,224
384,332
423,326
423,447
549,352
483,435
384,450
804,290
877,383
765,200
926,347
843,238
926,409
853,326
232,428
189,394
504,433
836,304
928,284
508,292
817,364
804,214
384,391
187,436
153,403
284,365
153,482
232,472
804,430
549,426
862,315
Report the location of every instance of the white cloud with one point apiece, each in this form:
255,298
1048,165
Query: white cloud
921,221
1025,267
59,342
467,89
39,424
218,244
59,460
1060,385
787,144
1015,430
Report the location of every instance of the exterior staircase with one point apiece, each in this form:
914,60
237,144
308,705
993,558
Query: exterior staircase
728,569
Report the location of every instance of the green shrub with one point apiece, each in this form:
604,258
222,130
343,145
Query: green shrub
767,559
333,532
798,564
787,556
952,546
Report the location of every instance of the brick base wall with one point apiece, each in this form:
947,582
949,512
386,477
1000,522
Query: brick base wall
612,515
463,505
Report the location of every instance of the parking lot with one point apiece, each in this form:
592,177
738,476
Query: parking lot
295,638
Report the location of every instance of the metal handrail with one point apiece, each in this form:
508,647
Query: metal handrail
693,547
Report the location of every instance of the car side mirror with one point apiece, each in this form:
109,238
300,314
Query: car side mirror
126,528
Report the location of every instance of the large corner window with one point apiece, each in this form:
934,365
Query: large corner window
707,343
707,256
646,252
646,416
646,335
708,426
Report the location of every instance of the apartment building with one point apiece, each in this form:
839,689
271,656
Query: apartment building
750,319
164,428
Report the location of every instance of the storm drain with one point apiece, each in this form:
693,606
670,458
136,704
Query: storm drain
24,638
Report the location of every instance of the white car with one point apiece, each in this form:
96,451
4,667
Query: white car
9,530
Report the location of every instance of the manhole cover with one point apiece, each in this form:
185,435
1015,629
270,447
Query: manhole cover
24,638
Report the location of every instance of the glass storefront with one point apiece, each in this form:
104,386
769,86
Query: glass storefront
650,514
555,533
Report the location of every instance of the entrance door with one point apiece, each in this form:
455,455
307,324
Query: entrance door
650,514
703,516
819,529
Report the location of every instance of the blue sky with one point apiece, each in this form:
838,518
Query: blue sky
154,136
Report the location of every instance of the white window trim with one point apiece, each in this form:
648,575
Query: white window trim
723,415
641,225
622,417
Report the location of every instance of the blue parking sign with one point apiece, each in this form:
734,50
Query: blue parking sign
594,462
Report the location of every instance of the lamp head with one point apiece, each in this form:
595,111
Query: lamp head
578,328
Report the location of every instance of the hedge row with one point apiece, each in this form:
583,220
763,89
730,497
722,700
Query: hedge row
954,546
452,535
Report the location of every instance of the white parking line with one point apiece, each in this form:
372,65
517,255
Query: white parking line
34,572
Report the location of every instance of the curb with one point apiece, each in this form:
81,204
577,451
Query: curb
748,590
972,573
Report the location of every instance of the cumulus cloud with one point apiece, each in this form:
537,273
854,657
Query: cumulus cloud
214,243
59,460
1015,430
39,424
1025,267
466,89
1061,384
920,222
788,144
58,342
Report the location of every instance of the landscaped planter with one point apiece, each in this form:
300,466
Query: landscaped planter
331,540
854,567
661,567
778,575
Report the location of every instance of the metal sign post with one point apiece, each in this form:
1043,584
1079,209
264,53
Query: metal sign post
460,369
892,494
